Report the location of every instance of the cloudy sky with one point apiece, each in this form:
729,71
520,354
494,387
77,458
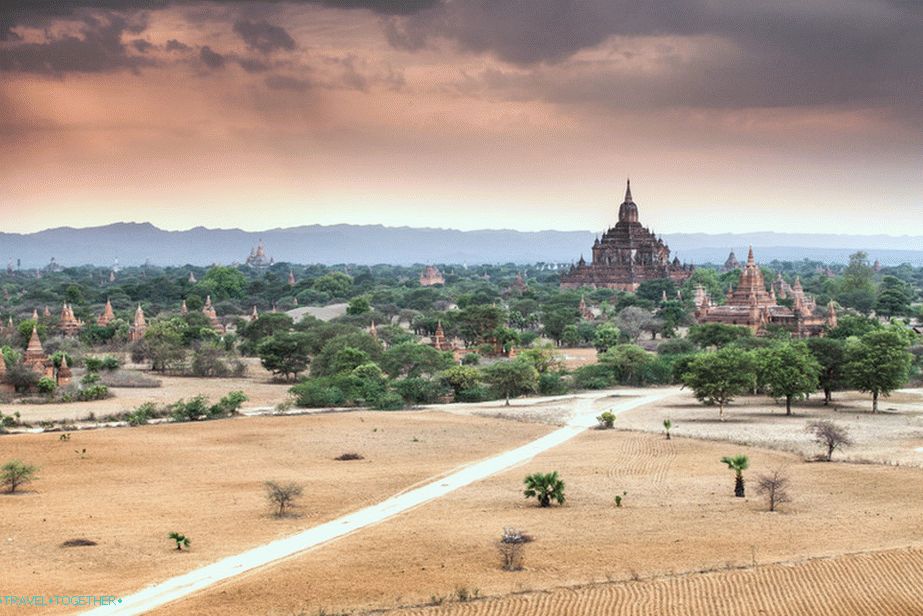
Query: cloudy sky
780,115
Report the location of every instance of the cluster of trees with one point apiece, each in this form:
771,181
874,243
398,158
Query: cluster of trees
860,354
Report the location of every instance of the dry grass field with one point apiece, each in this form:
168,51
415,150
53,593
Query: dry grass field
132,486
890,436
885,582
679,517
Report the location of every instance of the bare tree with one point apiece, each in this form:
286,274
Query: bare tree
829,435
775,486
511,547
282,496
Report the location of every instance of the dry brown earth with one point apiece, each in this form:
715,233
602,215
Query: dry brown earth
679,516
132,486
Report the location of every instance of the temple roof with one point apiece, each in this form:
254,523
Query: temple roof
628,211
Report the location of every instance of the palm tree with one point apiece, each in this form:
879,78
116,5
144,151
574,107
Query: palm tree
738,464
545,487
667,425
182,541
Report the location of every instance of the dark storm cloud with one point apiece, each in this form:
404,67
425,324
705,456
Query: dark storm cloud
98,48
776,53
263,36
175,45
211,58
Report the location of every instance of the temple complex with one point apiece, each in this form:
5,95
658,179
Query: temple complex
138,326
627,255
209,311
258,258
35,359
70,325
751,305
106,317
431,276
731,264
438,341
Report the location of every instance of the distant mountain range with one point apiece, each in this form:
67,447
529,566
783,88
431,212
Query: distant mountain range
137,243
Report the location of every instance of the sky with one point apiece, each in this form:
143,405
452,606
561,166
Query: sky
728,116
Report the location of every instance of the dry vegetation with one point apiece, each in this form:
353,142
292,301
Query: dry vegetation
888,437
206,480
681,517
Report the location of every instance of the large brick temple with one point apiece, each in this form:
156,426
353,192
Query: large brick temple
627,255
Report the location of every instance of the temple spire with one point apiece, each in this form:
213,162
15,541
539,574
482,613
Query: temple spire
628,190
750,259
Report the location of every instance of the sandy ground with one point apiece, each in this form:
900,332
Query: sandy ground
890,436
257,384
679,516
132,486
886,582
324,313
576,357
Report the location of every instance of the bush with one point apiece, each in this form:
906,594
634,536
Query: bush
96,391
228,405
476,393
511,548
282,496
193,410
553,384
46,385
319,393
416,390
471,359
389,401
345,457
606,420
594,376
15,474
142,414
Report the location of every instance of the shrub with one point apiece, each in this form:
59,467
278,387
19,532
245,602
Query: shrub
93,364
319,392
417,390
15,474
110,362
618,499
282,496
775,487
606,420
46,385
344,457
477,393
142,414
389,401
182,541
667,426
78,543
228,405
594,376
511,547
553,384
545,487
196,408
471,359
96,391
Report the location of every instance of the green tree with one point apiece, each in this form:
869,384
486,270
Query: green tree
460,378
607,336
545,487
628,362
15,474
284,353
717,377
717,335
334,284
182,541
512,378
163,343
830,353
879,362
894,297
266,325
411,359
788,370
359,305
324,362
738,464
543,358
224,283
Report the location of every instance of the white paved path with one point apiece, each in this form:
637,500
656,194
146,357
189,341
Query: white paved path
203,577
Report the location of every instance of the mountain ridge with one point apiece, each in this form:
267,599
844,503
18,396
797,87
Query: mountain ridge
134,243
